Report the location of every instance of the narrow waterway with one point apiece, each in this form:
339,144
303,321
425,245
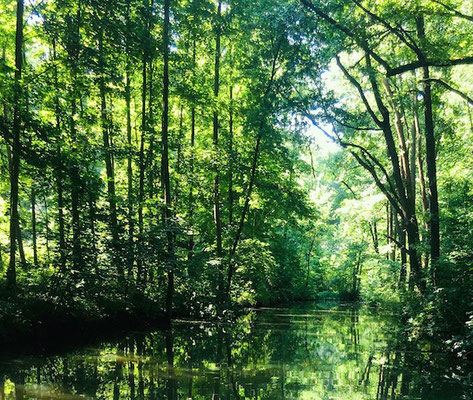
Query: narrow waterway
312,351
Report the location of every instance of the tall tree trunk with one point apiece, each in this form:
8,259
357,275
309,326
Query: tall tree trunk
15,164
92,219
59,174
230,160
404,154
165,161
141,188
420,167
179,155
33,226
129,172
46,222
21,249
307,258
412,161
76,225
401,234
431,156
408,208
129,169
74,172
109,166
374,235
217,216
388,230
191,167
151,129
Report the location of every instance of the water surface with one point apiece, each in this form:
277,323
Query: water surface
315,351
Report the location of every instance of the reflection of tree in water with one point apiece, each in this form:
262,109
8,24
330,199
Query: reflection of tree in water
325,354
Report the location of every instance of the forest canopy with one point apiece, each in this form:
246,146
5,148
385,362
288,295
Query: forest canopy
198,156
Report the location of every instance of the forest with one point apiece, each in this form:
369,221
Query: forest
194,158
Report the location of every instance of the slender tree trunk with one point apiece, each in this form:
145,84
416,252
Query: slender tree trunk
151,130
21,249
46,222
420,167
308,256
141,188
179,155
217,216
33,226
374,236
431,156
109,166
15,163
254,165
412,162
77,258
92,219
401,234
230,160
76,225
165,160
129,172
191,168
59,174
388,230
391,230
245,209
404,154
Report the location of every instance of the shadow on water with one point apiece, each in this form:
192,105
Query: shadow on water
305,352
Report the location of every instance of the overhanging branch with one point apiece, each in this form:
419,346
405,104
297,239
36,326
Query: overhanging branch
429,63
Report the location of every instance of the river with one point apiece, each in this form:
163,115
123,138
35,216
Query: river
310,351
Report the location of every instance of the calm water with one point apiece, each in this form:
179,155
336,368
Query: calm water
305,352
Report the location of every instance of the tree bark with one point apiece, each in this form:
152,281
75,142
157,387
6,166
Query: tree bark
15,162
401,234
33,226
74,172
165,162
420,167
109,165
141,187
431,156
59,174
308,256
129,169
217,216
230,160
191,167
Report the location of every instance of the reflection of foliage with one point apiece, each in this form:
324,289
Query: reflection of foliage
307,352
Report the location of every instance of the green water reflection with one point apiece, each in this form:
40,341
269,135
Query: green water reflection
305,352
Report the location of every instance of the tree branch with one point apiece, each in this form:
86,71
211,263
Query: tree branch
355,83
454,11
347,32
411,44
392,197
468,99
429,63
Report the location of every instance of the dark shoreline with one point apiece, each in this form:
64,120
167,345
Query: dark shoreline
57,331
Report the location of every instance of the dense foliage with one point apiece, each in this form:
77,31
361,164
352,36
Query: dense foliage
172,154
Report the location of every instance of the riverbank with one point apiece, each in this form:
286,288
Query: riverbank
33,325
